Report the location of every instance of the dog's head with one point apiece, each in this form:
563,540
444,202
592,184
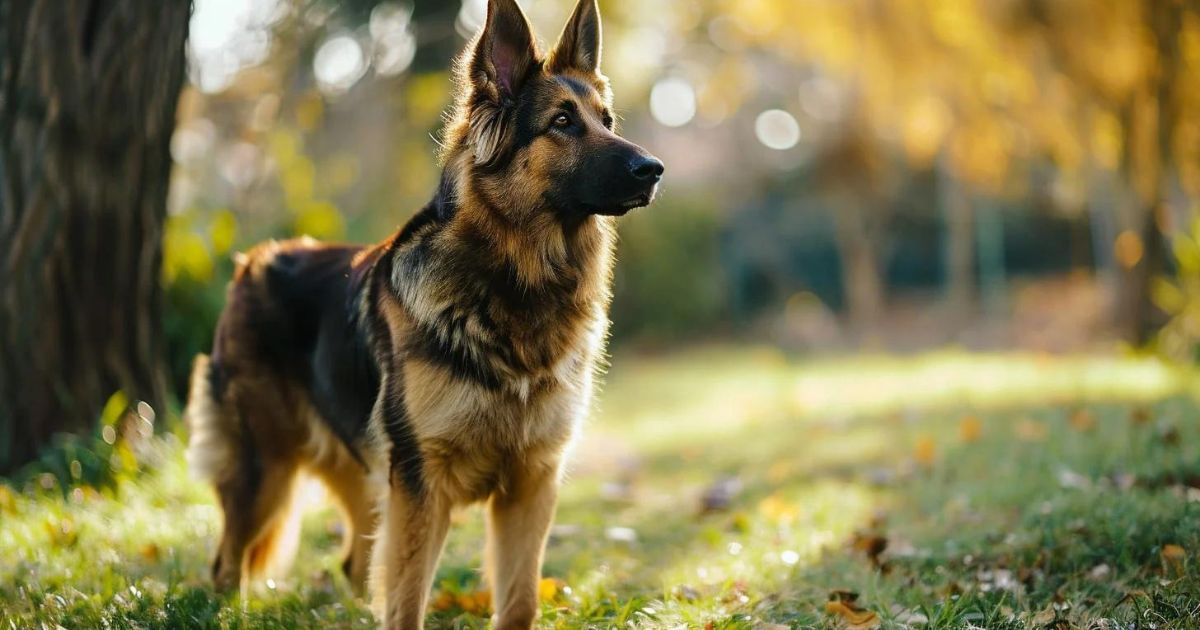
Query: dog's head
536,133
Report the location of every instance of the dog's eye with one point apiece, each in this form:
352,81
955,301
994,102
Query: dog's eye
562,120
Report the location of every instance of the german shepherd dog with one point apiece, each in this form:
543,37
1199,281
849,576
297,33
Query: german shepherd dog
449,364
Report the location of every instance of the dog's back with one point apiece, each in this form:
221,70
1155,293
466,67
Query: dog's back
289,386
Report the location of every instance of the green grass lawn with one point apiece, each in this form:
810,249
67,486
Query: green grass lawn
734,488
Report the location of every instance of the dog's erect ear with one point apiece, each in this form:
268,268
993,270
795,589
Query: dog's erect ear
578,47
505,52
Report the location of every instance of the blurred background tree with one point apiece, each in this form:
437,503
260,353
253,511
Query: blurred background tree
898,174
88,91
841,174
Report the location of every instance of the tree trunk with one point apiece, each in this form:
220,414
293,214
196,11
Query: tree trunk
862,283
958,246
88,90
1139,318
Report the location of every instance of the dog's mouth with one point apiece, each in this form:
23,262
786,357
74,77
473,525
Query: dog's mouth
639,200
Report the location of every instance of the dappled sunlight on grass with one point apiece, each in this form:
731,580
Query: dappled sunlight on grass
732,487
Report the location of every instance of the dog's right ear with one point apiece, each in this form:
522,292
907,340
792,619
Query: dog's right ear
504,53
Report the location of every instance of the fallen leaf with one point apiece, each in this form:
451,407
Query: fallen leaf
1140,415
443,601
856,618
925,451
843,595
478,603
1044,616
1173,558
718,496
870,544
1082,420
150,552
778,509
1029,430
1169,435
970,428
548,588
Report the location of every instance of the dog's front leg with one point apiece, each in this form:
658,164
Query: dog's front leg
411,535
519,519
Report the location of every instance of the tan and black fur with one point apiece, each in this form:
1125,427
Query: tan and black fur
451,363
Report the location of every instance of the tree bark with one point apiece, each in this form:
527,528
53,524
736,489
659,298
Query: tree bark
1139,318
958,244
88,91
862,281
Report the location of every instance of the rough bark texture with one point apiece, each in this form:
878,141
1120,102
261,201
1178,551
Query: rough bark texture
88,91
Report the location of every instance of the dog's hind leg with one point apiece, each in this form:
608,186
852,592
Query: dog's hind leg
347,479
261,529
240,443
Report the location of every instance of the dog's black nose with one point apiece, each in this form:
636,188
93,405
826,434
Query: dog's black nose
646,168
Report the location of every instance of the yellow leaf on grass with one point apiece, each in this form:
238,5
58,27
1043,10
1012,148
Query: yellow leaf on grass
1173,559
1029,430
856,618
548,588
1082,420
970,428
778,509
925,451
478,603
443,601
151,553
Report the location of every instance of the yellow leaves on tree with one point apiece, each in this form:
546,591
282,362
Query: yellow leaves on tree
1128,249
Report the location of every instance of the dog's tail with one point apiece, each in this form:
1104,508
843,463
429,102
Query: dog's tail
212,431
216,453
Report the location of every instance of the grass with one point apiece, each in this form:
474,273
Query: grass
734,488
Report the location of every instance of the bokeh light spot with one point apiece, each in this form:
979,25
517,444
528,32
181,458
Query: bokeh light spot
338,64
673,102
777,129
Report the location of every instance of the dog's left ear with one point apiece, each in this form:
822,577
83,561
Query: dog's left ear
578,47
504,51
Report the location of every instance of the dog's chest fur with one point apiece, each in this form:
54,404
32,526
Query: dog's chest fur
493,373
